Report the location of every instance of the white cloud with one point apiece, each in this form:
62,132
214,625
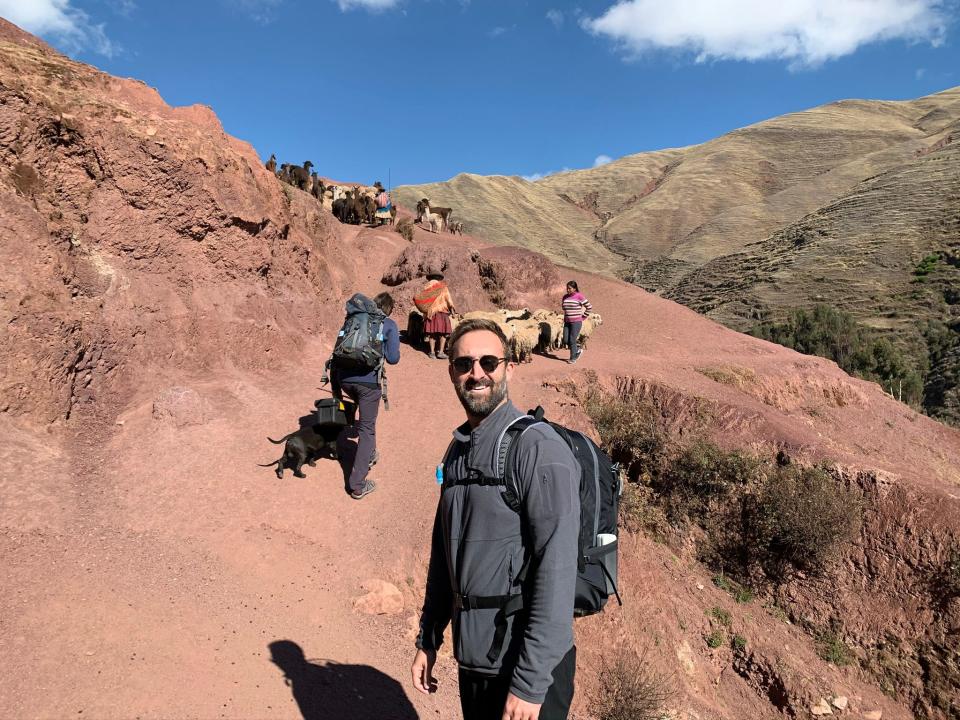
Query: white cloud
500,30
556,17
920,73
371,5
602,160
68,27
802,32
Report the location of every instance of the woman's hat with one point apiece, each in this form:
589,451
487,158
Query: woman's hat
434,276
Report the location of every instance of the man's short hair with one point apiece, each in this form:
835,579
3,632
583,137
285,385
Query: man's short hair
384,301
474,324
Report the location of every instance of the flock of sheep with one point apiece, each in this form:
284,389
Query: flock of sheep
528,331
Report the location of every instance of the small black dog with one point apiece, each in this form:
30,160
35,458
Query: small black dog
305,445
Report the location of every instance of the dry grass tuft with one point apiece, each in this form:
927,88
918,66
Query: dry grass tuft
632,689
405,228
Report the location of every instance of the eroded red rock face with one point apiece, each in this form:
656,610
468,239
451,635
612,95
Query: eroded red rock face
140,237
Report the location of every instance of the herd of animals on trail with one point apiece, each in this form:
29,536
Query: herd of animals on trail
429,324
361,204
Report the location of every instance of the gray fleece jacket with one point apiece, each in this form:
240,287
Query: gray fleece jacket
480,545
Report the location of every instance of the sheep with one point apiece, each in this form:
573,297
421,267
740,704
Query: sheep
272,163
496,317
590,323
524,339
551,328
456,228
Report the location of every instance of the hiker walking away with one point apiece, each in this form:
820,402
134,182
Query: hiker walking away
575,310
436,304
504,573
368,338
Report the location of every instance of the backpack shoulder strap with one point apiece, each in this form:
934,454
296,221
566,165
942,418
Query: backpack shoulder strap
508,455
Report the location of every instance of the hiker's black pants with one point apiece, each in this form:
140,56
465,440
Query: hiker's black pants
482,697
368,405
571,331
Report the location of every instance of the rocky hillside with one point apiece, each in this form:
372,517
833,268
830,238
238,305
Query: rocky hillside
168,304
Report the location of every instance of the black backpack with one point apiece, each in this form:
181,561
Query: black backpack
600,489
359,343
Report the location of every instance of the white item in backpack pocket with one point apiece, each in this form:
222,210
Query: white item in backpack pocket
608,559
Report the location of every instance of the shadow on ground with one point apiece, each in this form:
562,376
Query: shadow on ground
328,690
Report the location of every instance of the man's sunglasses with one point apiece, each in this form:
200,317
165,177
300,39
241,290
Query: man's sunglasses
488,363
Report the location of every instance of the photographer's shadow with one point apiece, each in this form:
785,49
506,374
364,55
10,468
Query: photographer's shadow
328,690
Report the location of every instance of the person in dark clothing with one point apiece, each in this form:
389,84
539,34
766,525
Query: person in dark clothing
365,389
505,578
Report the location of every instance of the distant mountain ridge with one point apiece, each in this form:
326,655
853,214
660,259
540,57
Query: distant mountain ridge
716,226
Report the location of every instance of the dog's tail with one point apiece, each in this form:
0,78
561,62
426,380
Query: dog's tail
281,440
270,464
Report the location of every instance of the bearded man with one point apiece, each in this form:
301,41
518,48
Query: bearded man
504,572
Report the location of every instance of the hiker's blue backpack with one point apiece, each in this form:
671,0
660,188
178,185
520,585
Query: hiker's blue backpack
359,343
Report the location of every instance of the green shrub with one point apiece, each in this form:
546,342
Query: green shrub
926,266
700,477
830,647
631,689
721,616
756,515
799,519
633,434
739,642
859,351
737,591
715,639
639,511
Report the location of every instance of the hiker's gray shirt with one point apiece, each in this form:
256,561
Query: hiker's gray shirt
479,548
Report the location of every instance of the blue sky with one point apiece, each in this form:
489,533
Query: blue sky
425,89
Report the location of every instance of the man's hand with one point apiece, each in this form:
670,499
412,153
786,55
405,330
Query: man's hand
517,709
422,671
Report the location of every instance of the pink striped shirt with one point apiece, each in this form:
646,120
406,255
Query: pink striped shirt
575,307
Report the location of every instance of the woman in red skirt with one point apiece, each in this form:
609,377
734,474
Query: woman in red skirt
436,326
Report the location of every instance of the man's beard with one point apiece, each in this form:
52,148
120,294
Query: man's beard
481,406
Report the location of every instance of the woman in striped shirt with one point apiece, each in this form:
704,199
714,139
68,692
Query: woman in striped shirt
575,308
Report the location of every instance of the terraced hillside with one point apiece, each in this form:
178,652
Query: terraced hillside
887,252
670,211
511,211
835,205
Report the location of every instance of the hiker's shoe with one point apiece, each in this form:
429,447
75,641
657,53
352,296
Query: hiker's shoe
572,361
441,356
375,459
433,356
368,487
